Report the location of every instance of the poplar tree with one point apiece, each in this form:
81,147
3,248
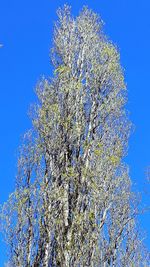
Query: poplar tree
73,205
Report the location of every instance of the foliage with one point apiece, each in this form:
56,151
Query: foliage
73,204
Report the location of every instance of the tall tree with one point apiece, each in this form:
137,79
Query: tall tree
73,204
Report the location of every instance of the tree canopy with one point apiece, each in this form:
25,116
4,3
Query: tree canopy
73,204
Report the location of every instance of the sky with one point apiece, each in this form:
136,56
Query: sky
26,29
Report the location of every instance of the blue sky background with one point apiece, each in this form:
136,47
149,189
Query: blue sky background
26,33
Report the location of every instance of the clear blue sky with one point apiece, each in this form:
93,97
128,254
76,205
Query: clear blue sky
26,33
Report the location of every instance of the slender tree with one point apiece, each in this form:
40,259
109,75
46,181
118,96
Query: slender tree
73,204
